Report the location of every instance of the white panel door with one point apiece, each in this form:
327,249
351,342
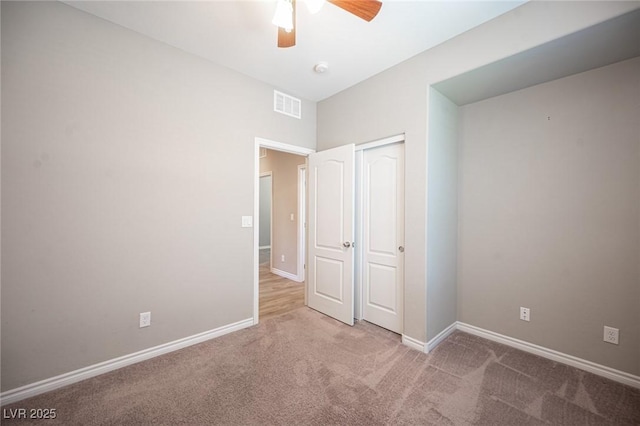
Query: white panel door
331,215
383,236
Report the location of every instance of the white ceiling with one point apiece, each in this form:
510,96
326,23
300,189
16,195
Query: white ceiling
239,35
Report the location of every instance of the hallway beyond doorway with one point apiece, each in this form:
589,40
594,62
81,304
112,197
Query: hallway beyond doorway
278,295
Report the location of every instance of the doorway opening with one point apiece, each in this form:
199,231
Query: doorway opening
280,238
355,255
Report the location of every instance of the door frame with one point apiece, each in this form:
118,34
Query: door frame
276,146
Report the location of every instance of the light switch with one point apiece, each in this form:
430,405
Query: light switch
247,221
292,219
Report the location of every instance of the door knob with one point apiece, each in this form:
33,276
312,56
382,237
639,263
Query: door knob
346,244
401,249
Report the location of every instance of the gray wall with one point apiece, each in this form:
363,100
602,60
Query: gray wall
126,167
549,214
442,213
264,239
396,101
284,168
391,103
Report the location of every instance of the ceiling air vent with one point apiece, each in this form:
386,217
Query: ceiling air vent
287,105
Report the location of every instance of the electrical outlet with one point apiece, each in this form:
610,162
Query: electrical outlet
524,314
611,335
145,319
282,258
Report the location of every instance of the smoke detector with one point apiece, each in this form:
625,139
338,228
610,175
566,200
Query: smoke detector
321,67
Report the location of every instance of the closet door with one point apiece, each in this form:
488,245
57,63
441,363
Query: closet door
383,236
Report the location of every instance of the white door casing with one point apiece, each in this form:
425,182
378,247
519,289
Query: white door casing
331,232
383,236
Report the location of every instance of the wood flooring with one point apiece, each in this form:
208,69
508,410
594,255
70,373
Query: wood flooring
278,295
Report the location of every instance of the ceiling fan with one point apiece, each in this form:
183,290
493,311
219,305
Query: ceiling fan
285,16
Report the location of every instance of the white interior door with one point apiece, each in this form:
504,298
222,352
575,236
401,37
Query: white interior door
331,216
383,236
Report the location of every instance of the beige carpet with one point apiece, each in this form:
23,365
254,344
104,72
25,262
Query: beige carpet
305,368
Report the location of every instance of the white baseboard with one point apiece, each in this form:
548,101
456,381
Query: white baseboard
414,343
285,274
264,247
591,367
53,383
431,344
56,382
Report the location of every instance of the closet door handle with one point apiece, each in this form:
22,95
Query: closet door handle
401,249
346,244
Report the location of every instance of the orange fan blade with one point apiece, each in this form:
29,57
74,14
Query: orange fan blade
365,9
288,39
